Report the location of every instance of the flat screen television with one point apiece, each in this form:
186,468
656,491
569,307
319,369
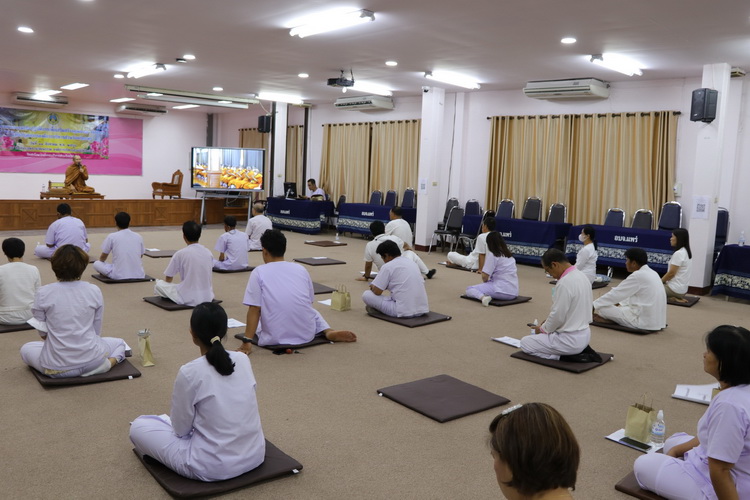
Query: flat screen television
227,169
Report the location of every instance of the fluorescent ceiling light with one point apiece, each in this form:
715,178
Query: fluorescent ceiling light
331,22
195,100
25,29
452,79
74,86
618,63
371,88
154,94
147,70
123,99
45,95
185,97
273,96
568,39
186,106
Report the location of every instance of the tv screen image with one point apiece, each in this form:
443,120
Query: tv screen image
227,168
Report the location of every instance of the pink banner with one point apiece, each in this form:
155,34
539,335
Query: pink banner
125,154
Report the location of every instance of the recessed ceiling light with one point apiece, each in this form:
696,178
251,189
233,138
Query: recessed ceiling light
74,86
391,63
119,75
186,106
218,89
303,75
122,99
189,57
568,39
25,29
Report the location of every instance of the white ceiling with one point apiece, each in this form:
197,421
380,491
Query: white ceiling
245,46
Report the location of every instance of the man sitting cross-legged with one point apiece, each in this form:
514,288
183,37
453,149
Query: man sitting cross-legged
566,330
256,226
65,230
401,277
232,247
193,263
279,297
126,248
639,301
18,284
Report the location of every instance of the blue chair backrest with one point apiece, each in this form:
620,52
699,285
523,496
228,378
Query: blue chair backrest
391,199
376,198
557,213
671,216
408,200
532,209
473,208
506,209
643,219
615,217
722,225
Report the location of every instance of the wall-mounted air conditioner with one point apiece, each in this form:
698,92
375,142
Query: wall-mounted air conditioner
53,101
141,109
364,102
567,89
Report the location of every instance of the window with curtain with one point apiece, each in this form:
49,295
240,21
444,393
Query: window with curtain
588,162
358,158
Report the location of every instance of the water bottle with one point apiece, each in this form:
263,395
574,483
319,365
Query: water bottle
337,237
658,430
742,239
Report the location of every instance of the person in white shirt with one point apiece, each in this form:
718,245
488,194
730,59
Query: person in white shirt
65,230
566,330
232,247
678,274
499,273
475,260
68,316
398,226
586,257
280,298
401,277
126,248
377,229
18,284
213,431
639,301
314,192
193,263
256,226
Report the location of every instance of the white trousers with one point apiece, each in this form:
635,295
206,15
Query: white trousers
479,291
226,267
554,345
463,260
15,317
154,436
45,252
103,268
168,291
409,254
665,475
622,315
31,352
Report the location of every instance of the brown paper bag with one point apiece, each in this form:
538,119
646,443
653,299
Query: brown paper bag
639,420
341,299
144,346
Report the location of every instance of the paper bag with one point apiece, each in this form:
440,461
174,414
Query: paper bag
144,346
639,421
341,300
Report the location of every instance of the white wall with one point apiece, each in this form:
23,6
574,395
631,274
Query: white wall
166,147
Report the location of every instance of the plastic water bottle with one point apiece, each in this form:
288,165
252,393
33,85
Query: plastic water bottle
658,430
742,239
337,237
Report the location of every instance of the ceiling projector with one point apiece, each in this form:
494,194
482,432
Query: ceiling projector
341,81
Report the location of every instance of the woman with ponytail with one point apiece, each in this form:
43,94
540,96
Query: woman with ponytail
213,431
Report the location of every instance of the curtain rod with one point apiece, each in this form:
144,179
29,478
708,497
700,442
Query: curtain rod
600,115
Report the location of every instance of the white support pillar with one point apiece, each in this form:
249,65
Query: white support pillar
712,169
429,186
279,149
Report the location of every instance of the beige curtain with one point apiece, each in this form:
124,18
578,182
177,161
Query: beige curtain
344,165
394,157
588,162
295,140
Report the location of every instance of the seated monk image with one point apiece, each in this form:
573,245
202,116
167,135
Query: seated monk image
75,177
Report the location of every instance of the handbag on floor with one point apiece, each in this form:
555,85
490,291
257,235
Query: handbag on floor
639,420
341,299
144,346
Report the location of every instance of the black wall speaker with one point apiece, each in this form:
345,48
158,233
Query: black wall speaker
264,124
703,108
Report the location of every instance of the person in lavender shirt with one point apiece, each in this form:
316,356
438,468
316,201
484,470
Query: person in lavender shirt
126,248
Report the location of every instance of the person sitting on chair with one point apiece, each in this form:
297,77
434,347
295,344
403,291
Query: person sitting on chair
256,226
75,177
126,248
639,301
213,431
18,284
68,316
280,297
401,277
398,226
65,230
475,260
566,330
499,273
193,263
377,229
314,192
232,247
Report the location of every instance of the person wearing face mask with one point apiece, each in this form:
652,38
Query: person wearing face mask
586,258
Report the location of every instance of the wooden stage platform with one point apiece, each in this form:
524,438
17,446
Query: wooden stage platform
19,215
